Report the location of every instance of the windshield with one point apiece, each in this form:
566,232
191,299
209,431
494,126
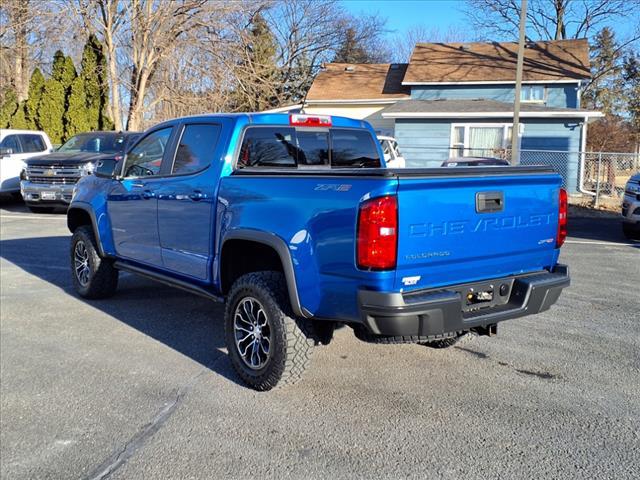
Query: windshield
94,142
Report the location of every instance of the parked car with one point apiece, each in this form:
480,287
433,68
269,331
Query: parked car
15,147
294,222
474,162
631,208
392,156
48,180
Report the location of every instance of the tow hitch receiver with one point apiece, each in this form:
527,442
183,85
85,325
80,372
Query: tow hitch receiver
487,330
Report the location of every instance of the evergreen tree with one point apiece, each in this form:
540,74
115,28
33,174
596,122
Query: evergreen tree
351,50
19,119
258,72
631,77
36,86
94,73
605,91
51,110
63,70
76,118
8,107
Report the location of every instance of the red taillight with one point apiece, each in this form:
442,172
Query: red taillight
377,242
562,218
299,120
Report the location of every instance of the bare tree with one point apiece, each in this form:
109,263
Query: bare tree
405,42
547,19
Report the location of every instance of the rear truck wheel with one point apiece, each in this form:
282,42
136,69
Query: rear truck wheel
268,347
632,232
93,276
40,209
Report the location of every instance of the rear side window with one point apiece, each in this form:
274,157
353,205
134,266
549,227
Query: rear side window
353,149
268,147
11,141
196,148
32,143
288,147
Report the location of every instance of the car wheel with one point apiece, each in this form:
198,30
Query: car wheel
41,209
268,347
632,232
92,275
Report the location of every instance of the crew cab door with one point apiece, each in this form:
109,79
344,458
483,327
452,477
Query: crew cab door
132,201
186,201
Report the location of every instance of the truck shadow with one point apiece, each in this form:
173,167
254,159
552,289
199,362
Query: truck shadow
184,322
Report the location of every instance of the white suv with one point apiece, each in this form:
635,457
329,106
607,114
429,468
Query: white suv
15,147
631,208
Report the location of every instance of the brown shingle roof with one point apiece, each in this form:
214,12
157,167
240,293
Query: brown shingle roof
487,62
342,81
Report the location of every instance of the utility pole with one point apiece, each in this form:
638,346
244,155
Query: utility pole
515,132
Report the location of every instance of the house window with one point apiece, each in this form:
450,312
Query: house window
480,140
532,93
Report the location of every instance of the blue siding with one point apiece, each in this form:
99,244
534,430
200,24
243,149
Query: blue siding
561,136
425,143
558,95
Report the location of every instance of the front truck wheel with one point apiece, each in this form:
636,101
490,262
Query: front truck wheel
268,347
93,276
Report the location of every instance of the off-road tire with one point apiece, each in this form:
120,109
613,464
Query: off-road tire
103,277
292,339
40,209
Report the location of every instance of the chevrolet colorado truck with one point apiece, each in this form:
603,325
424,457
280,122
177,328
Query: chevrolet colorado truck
295,223
48,180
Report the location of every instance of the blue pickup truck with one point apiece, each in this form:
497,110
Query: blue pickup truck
295,222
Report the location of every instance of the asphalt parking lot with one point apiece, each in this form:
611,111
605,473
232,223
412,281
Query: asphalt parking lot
139,386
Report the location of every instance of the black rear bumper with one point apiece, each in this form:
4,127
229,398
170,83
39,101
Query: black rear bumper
436,312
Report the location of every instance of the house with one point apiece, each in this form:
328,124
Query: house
456,99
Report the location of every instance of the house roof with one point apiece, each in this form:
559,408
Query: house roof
342,81
477,109
557,60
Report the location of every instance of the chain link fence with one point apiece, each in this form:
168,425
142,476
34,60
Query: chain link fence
600,175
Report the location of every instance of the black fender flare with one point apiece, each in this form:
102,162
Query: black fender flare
94,223
279,245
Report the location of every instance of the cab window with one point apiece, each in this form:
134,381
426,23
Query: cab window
145,159
352,148
11,141
32,143
268,147
196,149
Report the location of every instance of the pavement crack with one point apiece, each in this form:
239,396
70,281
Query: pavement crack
137,441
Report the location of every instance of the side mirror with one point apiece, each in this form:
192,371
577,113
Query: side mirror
5,151
106,168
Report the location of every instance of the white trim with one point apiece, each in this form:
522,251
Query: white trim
366,101
553,114
465,146
490,82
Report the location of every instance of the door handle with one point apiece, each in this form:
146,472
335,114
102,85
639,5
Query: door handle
197,195
147,194
137,185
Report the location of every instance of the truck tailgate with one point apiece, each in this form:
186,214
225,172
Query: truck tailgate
462,228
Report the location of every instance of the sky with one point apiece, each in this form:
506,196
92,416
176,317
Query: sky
403,14
442,15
